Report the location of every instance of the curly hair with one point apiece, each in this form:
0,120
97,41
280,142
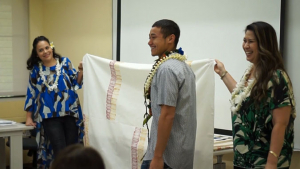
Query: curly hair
269,58
34,59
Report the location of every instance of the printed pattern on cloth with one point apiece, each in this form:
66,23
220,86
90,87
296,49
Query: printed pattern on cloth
137,146
44,103
252,126
86,121
113,90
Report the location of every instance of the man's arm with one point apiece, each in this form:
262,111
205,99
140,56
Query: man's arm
165,124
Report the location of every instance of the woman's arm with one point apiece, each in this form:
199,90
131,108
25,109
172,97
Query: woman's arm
30,98
281,117
80,73
225,76
75,76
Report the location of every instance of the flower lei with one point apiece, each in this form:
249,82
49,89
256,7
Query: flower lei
57,69
177,54
238,97
51,45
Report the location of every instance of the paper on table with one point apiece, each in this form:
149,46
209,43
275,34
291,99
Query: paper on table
6,122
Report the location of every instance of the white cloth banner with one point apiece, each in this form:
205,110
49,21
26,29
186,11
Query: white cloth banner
114,109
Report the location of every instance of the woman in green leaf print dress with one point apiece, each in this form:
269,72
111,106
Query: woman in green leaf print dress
262,103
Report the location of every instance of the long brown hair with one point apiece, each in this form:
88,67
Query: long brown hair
269,58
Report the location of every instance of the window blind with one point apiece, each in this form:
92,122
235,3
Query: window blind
14,47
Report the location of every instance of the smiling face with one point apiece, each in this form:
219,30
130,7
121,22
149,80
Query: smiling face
250,46
44,51
158,44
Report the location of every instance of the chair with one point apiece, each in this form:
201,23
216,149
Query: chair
29,143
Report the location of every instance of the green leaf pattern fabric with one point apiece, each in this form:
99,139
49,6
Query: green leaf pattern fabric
252,126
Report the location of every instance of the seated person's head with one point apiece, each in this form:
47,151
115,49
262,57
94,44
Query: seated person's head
78,157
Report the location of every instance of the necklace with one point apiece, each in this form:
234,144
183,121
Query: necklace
156,66
237,97
171,55
42,74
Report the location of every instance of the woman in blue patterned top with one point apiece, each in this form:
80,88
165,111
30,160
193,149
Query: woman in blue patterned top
52,104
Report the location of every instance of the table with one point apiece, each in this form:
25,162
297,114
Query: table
15,132
222,145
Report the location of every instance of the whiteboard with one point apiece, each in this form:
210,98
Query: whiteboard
209,29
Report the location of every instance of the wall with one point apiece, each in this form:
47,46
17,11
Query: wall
36,16
291,56
292,60
76,27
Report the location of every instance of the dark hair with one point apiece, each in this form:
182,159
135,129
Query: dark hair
34,59
269,58
77,156
168,27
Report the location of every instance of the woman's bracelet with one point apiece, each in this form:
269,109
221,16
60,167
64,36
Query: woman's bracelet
274,154
222,76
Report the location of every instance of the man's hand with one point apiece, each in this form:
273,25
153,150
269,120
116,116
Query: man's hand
157,163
